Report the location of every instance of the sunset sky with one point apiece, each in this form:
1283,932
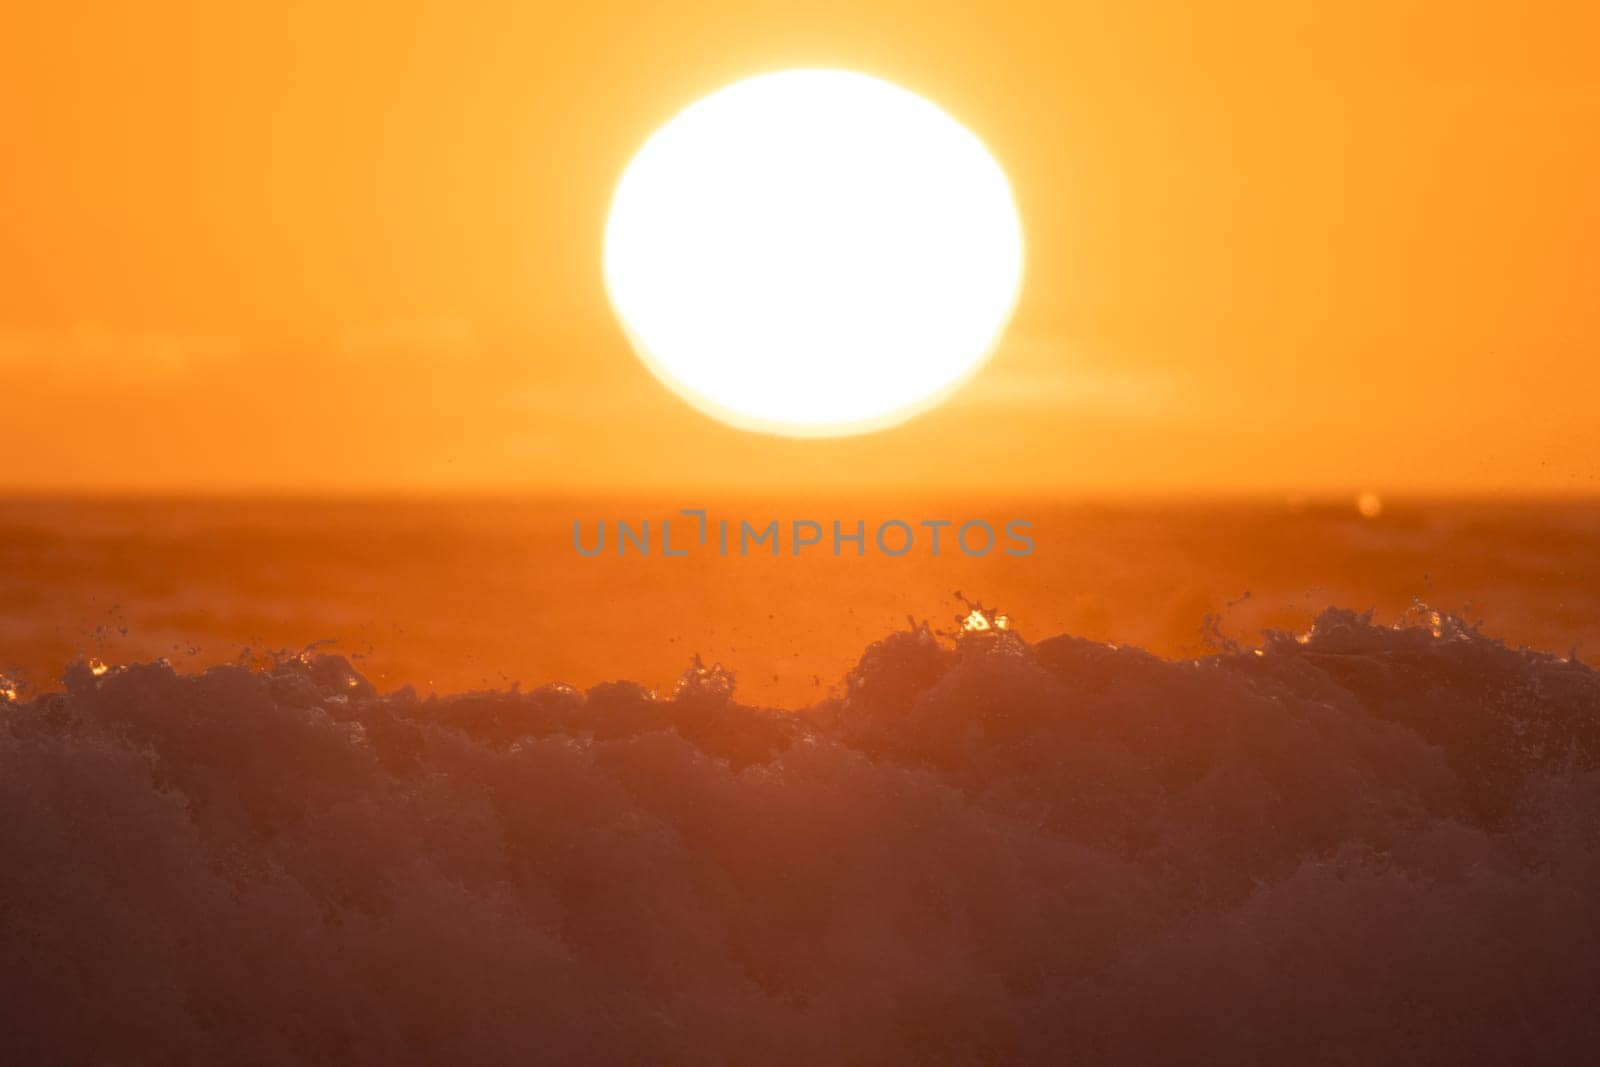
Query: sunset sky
1281,247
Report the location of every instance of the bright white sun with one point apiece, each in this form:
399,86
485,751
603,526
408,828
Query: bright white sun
813,252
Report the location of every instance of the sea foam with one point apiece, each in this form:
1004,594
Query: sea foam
1359,844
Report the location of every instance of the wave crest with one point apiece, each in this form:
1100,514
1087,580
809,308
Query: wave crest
1363,843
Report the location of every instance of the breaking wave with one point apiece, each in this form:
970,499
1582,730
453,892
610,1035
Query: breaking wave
1361,844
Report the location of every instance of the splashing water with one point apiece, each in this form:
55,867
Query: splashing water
986,849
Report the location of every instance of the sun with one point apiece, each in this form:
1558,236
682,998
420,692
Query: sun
813,253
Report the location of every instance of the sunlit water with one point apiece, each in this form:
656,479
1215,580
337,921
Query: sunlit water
1350,841
462,594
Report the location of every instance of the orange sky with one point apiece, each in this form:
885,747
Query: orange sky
1291,247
